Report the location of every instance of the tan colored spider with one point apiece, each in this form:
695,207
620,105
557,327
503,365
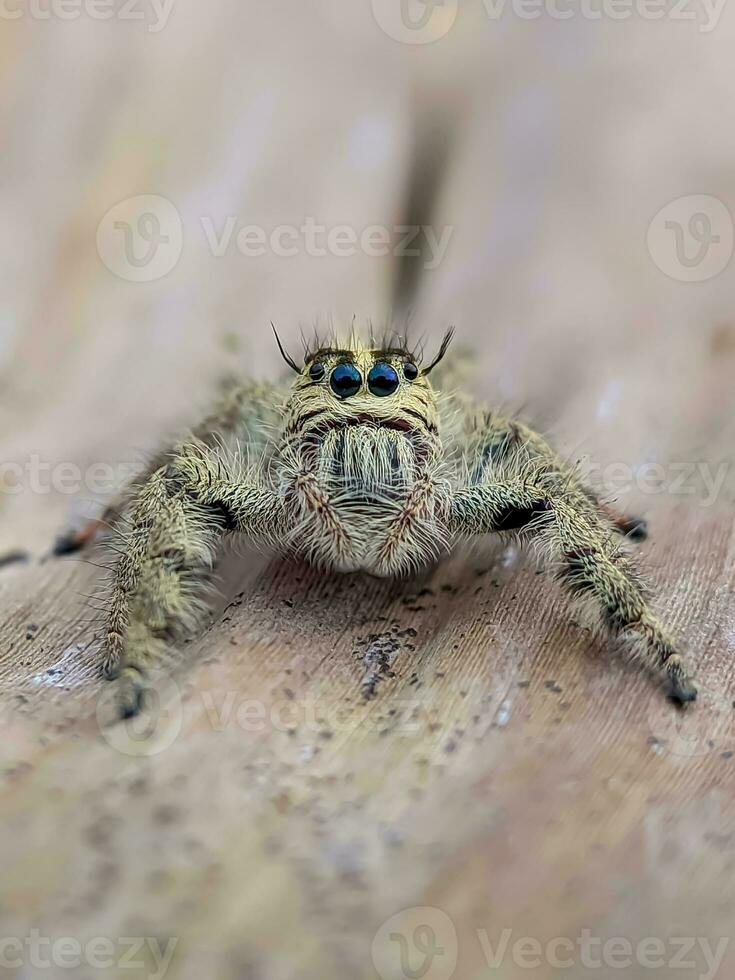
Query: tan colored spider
361,464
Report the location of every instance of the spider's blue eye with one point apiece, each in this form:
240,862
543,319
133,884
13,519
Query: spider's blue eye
383,379
316,371
346,380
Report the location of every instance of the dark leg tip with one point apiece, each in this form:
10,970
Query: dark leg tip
72,541
635,528
66,544
12,557
682,692
130,693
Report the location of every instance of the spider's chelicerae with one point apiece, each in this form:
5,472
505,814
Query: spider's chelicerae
362,465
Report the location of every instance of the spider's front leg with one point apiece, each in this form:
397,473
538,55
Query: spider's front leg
537,496
169,537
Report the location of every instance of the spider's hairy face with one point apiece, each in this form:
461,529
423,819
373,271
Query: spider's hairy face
364,417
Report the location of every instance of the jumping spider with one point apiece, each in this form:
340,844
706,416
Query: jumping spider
361,465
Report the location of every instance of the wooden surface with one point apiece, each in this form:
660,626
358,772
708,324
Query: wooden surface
507,771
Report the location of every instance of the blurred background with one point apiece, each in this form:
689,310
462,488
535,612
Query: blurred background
205,141
176,175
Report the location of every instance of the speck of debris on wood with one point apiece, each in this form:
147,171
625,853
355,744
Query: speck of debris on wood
378,659
392,837
553,687
727,755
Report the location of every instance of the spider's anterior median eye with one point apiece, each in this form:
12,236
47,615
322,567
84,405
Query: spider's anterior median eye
346,380
316,371
383,379
410,371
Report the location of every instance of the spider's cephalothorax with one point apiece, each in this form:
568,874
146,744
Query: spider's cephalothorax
360,465
358,460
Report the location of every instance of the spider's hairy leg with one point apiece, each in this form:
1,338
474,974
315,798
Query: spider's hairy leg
169,539
496,443
535,493
242,410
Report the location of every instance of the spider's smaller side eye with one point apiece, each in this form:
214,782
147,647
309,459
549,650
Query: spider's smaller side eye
317,371
410,371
